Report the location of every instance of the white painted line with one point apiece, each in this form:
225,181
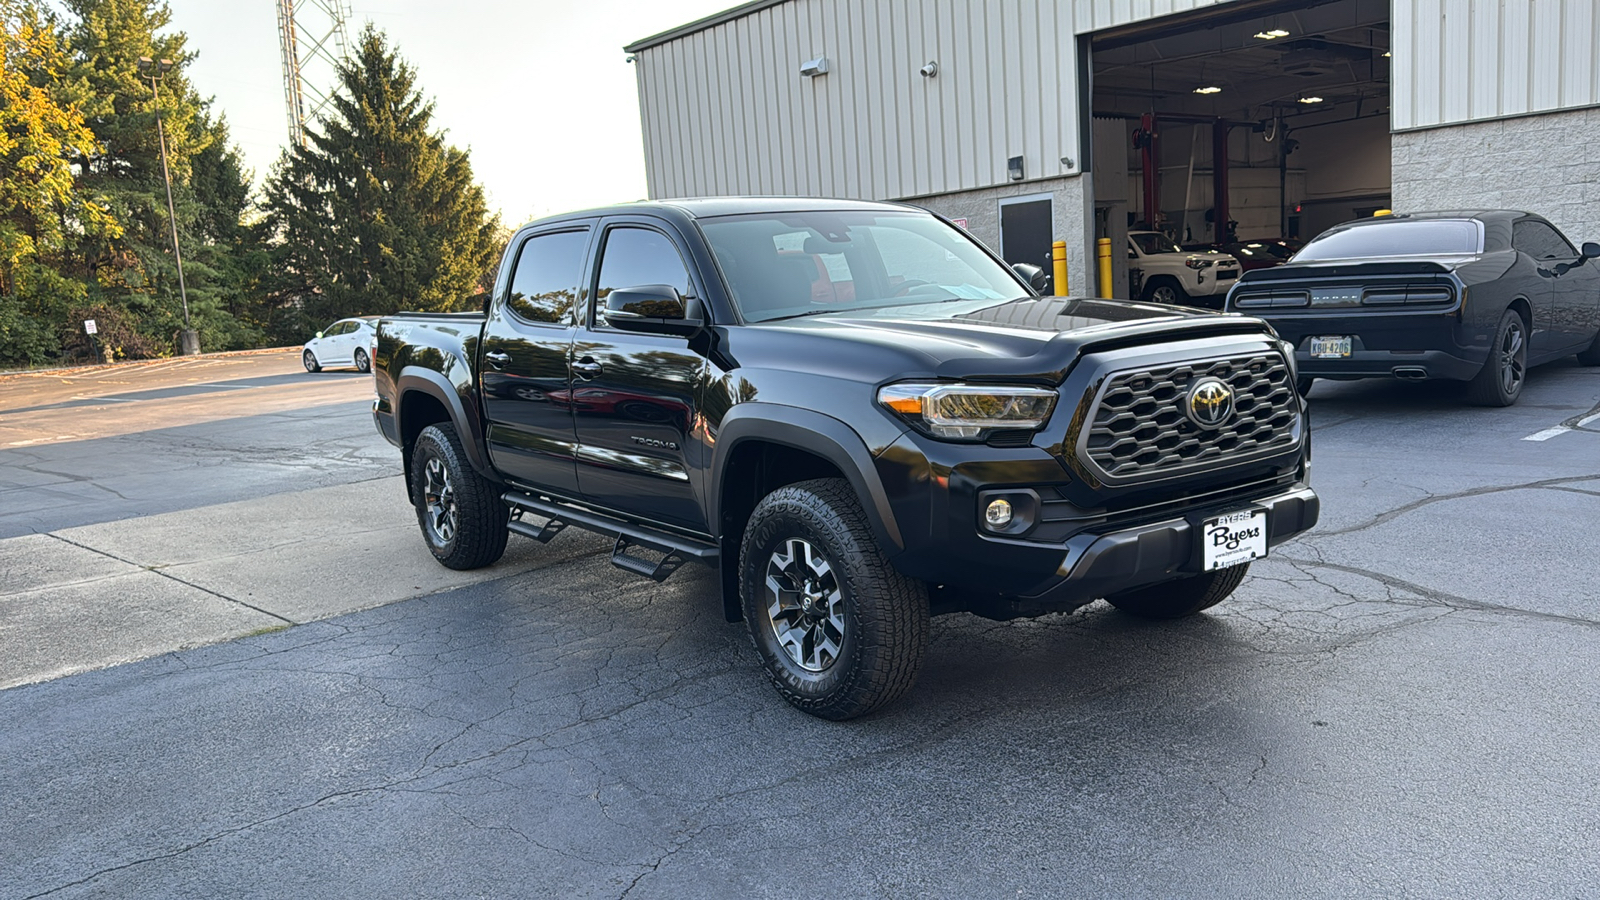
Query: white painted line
1548,433
1584,422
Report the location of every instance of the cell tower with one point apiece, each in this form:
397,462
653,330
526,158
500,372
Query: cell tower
314,37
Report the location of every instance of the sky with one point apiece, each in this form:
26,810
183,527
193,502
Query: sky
538,90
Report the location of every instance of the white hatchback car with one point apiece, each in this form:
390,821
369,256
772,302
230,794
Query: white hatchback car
344,343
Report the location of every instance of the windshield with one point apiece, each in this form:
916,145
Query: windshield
790,264
1151,242
1399,237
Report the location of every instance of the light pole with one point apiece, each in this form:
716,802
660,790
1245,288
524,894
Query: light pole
157,68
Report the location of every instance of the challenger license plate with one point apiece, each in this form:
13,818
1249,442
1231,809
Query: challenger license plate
1233,539
1330,347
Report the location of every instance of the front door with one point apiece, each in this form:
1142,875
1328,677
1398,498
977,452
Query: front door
527,342
634,396
1543,246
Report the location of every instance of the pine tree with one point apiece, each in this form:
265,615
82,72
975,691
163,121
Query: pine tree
377,213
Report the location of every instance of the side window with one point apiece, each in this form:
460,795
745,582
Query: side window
544,284
1540,241
635,256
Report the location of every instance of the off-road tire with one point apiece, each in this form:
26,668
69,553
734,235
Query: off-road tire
1184,597
478,535
1591,356
1493,386
1159,287
885,614
309,360
363,362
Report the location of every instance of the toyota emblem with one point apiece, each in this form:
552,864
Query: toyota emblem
1210,403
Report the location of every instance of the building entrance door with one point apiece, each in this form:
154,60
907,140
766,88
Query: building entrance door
1026,230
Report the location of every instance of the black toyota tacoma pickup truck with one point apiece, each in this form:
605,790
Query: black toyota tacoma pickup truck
858,414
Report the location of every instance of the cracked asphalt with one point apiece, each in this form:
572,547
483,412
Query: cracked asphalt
1401,703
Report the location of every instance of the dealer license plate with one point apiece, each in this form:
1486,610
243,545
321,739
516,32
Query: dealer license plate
1233,539
1330,347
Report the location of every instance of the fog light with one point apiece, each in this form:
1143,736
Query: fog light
998,513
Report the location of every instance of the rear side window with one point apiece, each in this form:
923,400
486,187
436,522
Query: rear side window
639,256
1398,237
544,285
1540,241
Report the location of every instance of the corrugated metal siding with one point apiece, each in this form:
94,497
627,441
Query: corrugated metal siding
726,110
1463,60
1094,15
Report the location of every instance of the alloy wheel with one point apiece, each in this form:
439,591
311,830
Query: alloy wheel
1513,365
805,606
439,498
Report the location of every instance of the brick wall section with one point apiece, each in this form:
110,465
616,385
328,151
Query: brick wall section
1547,164
981,209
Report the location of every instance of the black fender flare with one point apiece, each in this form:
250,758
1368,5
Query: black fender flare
416,379
815,433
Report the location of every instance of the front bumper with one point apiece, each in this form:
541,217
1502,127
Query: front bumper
1100,564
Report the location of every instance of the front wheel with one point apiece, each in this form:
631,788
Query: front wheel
309,360
363,364
1591,356
462,516
1184,597
1165,290
1500,381
839,631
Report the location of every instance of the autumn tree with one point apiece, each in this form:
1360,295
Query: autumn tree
377,213
44,211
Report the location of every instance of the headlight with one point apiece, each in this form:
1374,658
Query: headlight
968,411
1194,263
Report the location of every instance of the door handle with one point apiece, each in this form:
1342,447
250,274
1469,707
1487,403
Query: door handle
497,358
587,368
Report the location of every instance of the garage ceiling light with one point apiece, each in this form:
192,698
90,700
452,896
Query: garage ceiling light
1272,35
1212,89
1310,99
1387,54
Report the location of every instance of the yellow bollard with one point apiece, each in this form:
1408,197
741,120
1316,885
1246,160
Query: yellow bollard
1058,255
1103,251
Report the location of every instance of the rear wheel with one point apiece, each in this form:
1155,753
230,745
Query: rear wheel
1500,381
363,364
1184,597
309,360
840,632
462,516
1165,289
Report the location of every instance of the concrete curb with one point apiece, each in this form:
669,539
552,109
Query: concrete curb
9,373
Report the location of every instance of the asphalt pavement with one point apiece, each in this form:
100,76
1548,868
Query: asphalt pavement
1400,703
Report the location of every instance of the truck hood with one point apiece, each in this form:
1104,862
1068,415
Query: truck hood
1029,339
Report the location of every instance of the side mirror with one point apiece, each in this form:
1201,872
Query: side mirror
1591,250
1033,275
319,334
652,309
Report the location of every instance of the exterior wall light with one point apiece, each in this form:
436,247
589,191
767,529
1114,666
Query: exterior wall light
811,68
929,70
1014,168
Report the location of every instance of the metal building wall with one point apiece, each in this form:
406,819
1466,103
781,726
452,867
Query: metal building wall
1094,15
726,111
1467,60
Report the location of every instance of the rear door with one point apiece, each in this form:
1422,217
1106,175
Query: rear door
523,368
635,396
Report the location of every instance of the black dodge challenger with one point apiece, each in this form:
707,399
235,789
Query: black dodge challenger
1474,296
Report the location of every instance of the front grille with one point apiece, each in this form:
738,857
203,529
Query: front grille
1139,428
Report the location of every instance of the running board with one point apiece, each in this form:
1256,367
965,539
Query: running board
675,550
